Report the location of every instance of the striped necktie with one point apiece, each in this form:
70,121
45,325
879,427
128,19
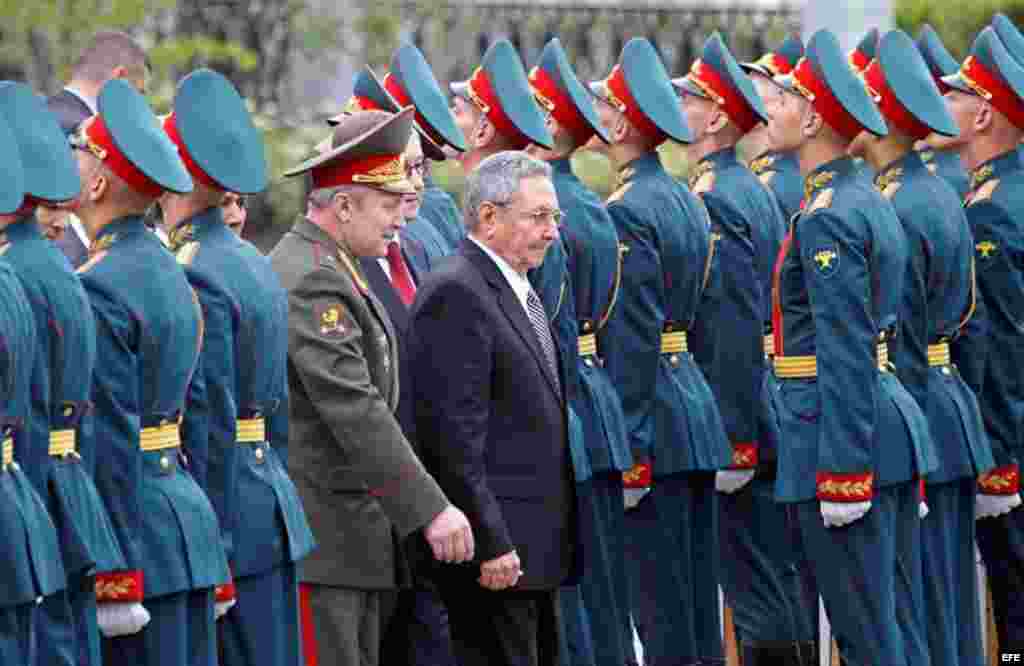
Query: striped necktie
539,320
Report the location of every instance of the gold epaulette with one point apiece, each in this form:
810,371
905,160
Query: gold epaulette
822,200
251,431
62,443
588,344
674,342
619,193
8,453
806,367
187,253
984,192
160,437
938,355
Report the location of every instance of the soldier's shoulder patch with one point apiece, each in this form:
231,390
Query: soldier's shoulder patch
186,254
985,192
619,193
766,177
890,190
704,183
826,259
821,201
93,261
985,250
331,319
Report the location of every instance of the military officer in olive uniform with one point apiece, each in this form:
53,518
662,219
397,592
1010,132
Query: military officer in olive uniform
591,247
360,481
944,163
29,551
721,106
779,171
852,441
936,599
149,331
236,419
56,451
987,101
673,424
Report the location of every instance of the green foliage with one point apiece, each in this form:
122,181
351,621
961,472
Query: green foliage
957,21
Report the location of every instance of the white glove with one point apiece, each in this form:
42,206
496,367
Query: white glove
990,506
121,619
632,496
838,514
922,509
221,608
731,480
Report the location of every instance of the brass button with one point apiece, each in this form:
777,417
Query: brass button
589,362
259,454
165,463
674,359
586,326
945,370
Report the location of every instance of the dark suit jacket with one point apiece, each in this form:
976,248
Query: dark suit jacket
73,247
385,292
69,109
490,422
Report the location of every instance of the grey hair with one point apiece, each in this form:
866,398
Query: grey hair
322,197
497,179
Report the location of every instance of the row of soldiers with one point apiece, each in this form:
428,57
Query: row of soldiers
787,369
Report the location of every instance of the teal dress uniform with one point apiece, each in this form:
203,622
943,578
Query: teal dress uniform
946,165
939,616
149,329
30,551
236,416
439,208
780,173
849,431
734,320
435,247
994,208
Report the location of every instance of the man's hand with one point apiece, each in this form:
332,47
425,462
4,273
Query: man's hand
121,619
732,480
992,506
838,514
500,573
450,536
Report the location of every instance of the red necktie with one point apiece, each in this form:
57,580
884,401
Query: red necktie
401,278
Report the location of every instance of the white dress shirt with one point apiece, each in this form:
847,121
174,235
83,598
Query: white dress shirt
520,285
79,229
88,101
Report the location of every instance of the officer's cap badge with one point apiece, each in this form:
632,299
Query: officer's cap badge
986,250
826,260
330,321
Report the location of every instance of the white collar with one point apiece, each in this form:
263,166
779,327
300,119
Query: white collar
79,229
88,101
519,283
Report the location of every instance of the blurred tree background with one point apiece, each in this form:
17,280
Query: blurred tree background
282,53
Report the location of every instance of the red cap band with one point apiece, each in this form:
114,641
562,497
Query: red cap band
396,90
372,170
824,101
890,106
859,61
171,128
718,89
563,109
992,88
483,95
617,86
775,64
102,146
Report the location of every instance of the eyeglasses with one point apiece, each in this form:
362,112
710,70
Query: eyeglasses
540,218
417,168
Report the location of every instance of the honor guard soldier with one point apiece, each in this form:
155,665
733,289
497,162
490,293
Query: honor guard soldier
945,163
673,424
987,101
411,81
149,331
852,441
859,58
29,551
235,427
369,93
779,171
591,246
721,106
56,451
360,480
941,616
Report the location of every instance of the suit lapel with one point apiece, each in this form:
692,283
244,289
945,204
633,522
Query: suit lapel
415,256
512,307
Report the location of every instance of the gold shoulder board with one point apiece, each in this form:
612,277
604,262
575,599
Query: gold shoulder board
985,192
187,253
823,200
619,193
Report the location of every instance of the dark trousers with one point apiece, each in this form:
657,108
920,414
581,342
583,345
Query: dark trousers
263,627
950,576
501,628
576,641
1001,541
180,633
418,633
855,569
17,635
761,573
673,559
342,626
909,592
55,628
604,584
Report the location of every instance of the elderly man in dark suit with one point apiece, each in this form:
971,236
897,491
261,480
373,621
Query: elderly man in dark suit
491,417
110,55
